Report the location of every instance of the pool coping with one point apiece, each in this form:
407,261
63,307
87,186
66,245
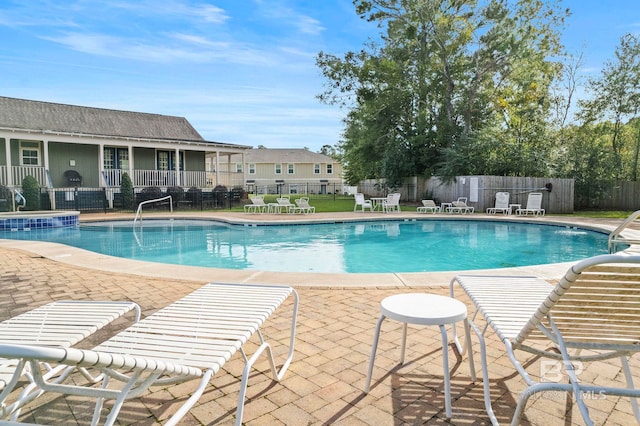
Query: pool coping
83,258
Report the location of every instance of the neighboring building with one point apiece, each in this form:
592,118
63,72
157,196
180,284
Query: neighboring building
288,171
67,146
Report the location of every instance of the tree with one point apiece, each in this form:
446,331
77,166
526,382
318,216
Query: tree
126,192
421,99
616,96
31,193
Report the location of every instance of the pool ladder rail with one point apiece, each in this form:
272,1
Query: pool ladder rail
631,227
156,200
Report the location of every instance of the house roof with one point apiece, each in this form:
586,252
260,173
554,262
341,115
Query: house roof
285,155
71,119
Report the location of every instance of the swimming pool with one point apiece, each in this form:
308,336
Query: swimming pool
348,247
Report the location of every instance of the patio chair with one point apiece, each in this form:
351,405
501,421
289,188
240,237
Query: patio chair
534,205
459,207
257,205
502,204
592,314
302,206
362,203
73,178
58,324
190,339
392,203
428,206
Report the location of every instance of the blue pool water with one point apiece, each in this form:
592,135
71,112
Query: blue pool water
364,247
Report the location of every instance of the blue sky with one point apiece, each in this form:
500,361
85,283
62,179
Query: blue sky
241,71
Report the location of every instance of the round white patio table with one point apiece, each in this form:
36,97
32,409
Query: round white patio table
424,309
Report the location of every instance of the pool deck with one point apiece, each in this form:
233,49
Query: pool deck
338,312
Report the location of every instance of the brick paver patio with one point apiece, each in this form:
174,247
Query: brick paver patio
324,385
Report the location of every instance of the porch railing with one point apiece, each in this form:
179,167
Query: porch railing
112,178
18,173
163,178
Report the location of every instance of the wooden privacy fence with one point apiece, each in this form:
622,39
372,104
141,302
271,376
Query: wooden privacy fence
481,191
620,195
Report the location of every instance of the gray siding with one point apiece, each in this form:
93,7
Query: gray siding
86,163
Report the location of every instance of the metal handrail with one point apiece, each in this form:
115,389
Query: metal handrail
139,211
615,238
20,200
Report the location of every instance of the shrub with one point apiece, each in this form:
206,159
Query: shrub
126,192
194,195
31,192
177,194
149,193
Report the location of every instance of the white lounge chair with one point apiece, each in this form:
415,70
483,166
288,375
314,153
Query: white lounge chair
428,206
459,207
57,324
302,206
189,339
284,204
257,205
502,204
392,203
362,203
534,205
592,314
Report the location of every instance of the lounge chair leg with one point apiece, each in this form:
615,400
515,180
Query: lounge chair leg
403,345
446,375
629,377
374,347
195,396
485,376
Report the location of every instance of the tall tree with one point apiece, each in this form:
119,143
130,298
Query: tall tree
616,96
444,71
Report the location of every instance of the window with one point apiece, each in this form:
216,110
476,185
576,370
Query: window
291,169
238,167
278,169
316,169
29,154
166,160
252,169
116,158
329,169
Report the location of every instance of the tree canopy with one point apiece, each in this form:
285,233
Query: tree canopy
458,87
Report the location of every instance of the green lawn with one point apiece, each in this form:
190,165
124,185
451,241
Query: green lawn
341,203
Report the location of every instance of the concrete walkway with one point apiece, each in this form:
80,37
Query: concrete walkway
324,384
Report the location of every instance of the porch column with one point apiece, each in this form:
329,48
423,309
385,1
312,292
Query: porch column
244,171
229,171
131,167
45,155
101,180
7,153
178,180
217,168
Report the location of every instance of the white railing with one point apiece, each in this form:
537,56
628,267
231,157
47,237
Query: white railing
631,237
18,173
193,178
154,178
112,177
139,211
